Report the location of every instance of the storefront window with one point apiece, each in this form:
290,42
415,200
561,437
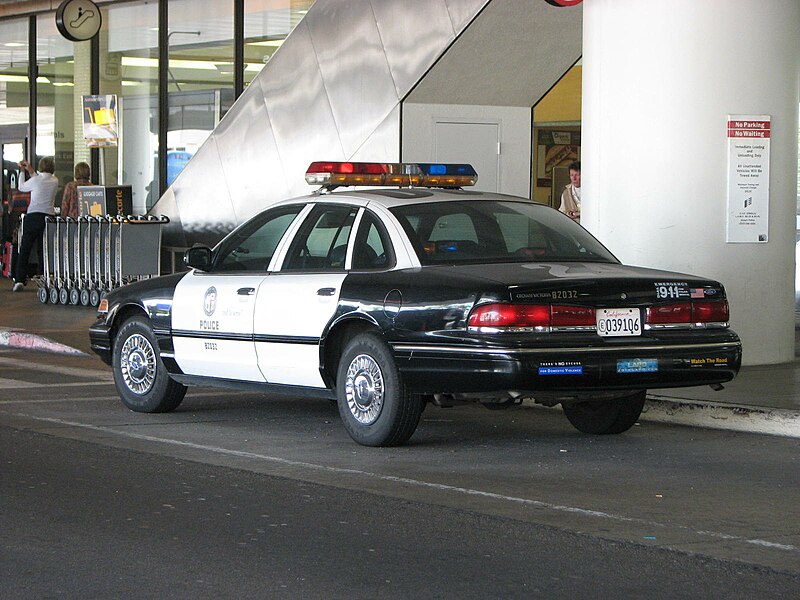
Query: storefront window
64,76
200,78
266,25
13,103
129,69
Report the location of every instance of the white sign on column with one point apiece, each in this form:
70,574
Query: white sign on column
748,178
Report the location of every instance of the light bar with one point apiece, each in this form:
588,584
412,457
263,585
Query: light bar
391,174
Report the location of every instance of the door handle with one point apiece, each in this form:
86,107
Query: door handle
246,291
326,291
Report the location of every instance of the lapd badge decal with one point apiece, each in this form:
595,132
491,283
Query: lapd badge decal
210,301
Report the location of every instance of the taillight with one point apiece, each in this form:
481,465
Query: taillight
510,315
710,311
695,313
670,313
531,316
572,316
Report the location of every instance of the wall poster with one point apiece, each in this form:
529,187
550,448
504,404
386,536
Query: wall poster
100,127
748,178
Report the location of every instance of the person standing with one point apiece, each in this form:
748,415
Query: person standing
43,186
571,197
69,201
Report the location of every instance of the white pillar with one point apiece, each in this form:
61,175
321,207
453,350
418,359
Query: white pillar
660,78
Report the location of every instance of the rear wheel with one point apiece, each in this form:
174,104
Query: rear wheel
610,416
141,379
374,404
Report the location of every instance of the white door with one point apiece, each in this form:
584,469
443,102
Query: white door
212,325
212,313
477,144
294,305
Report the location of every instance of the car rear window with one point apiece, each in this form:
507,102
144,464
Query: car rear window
496,231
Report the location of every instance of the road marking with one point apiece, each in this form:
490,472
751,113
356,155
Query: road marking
413,482
76,371
11,384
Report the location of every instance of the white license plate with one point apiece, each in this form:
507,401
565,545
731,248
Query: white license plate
615,322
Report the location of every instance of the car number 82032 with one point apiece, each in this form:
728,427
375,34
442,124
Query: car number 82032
613,322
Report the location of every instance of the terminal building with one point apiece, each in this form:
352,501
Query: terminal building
684,115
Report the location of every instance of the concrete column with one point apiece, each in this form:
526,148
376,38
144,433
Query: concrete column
659,79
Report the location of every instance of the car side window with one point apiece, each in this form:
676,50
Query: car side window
251,247
321,242
372,249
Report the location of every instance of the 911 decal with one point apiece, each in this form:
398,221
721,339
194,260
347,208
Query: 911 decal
672,290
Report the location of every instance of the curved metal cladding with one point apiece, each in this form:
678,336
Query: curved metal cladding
331,92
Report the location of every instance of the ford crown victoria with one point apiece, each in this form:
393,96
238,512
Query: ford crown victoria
391,298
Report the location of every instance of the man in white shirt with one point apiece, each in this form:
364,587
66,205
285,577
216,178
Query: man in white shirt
571,197
43,186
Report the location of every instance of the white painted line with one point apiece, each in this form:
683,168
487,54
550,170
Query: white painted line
413,482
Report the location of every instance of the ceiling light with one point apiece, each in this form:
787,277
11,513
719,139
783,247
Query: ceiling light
14,45
272,43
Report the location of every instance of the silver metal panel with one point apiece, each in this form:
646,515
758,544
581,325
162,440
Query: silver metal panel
463,11
354,69
384,143
202,197
250,161
171,233
298,107
406,54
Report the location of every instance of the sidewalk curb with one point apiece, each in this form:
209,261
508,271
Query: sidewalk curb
30,341
714,415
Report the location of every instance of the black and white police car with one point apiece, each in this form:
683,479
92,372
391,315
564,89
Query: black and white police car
419,291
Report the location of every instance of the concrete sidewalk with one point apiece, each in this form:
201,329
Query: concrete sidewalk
762,399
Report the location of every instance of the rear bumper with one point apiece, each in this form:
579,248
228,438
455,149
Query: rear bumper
457,369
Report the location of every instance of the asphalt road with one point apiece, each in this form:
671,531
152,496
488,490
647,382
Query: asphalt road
236,495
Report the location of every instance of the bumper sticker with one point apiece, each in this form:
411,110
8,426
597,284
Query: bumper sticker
637,365
561,368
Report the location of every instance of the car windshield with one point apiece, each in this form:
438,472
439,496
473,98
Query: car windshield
484,231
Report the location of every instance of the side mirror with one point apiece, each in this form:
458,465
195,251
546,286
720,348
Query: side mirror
198,257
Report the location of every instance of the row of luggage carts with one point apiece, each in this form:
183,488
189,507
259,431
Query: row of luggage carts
85,258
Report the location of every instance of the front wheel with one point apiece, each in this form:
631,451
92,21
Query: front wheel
610,416
141,379
374,404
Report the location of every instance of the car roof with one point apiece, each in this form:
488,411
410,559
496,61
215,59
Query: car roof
392,197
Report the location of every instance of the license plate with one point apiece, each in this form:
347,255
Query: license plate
616,322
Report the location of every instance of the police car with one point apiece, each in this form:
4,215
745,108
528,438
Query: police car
416,292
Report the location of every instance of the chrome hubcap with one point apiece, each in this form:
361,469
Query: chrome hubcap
364,389
138,364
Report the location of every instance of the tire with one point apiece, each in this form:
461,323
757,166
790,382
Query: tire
94,297
63,295
85,297
53,295
611,416
141,379
74,296
374,404
44,295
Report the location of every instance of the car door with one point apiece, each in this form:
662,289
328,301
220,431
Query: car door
294,305
212,312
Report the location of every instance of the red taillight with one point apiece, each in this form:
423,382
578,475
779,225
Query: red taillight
510,315
704,311
572,316
531,316
710,311
670,313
